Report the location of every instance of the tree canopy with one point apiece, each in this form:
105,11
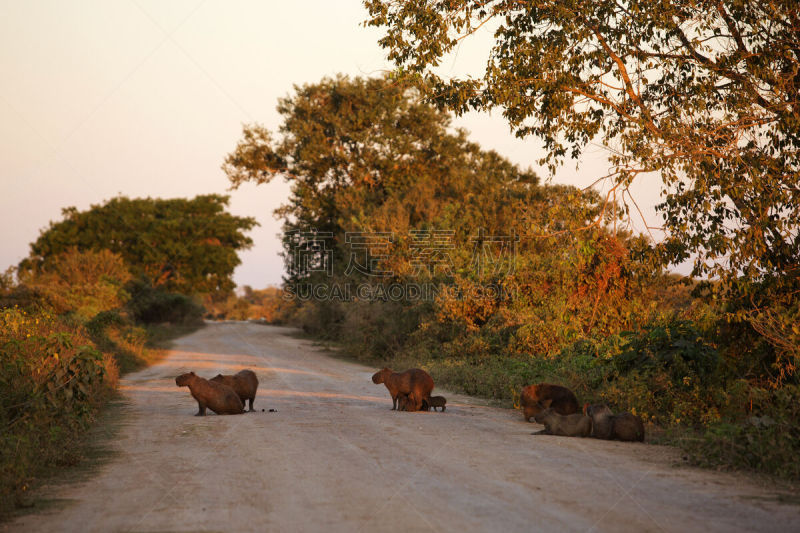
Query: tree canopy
183,245
360,152
370,158
705,94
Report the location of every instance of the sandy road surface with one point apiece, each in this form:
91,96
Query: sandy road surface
334,457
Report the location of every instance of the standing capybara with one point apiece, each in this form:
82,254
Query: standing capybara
414,381
437,401
244,383
621,426
220,398
574,425
560,399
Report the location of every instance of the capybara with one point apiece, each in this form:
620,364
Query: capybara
414,381
437,401
628,427
406,402
244,383
620,426
560,399
602,423
574,425
220,398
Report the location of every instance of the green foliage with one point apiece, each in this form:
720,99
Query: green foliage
703,93
81,282
186,246
675,346
51,382
153,305
768,441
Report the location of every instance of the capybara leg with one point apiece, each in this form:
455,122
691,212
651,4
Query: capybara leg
443,408
251,404
394,403
202,411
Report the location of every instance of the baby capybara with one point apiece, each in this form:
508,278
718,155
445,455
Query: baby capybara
406,402
437,401
218,397
244,383
622,426
560,399
574,425
414,382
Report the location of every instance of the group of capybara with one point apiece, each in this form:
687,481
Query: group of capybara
553,406
556,407
225,395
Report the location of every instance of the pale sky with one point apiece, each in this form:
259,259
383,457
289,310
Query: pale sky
146,97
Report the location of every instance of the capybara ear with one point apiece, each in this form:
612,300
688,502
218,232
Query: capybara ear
192,373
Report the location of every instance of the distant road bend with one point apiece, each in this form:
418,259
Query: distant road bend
334,457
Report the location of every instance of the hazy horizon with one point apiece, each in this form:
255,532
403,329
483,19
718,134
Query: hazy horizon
141,98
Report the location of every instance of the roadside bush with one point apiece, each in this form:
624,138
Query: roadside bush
81,282
52,381
767,441
151,305
675,347
114,333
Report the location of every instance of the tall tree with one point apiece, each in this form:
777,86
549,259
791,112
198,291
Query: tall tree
705,93
182,245
354,147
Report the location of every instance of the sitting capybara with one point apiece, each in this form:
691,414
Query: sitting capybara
414,382
220,398
574,425
437,401
622,426
244,383
560,399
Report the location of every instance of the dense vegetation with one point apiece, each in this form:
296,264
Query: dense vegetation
530,282
98,291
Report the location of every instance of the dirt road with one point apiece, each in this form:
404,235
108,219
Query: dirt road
334,457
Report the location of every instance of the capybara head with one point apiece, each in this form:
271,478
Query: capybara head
184,379
597,409
380,376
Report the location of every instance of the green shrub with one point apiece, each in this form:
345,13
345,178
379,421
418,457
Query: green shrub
52,381
767,441
676,347
83,283
151,305
114,333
